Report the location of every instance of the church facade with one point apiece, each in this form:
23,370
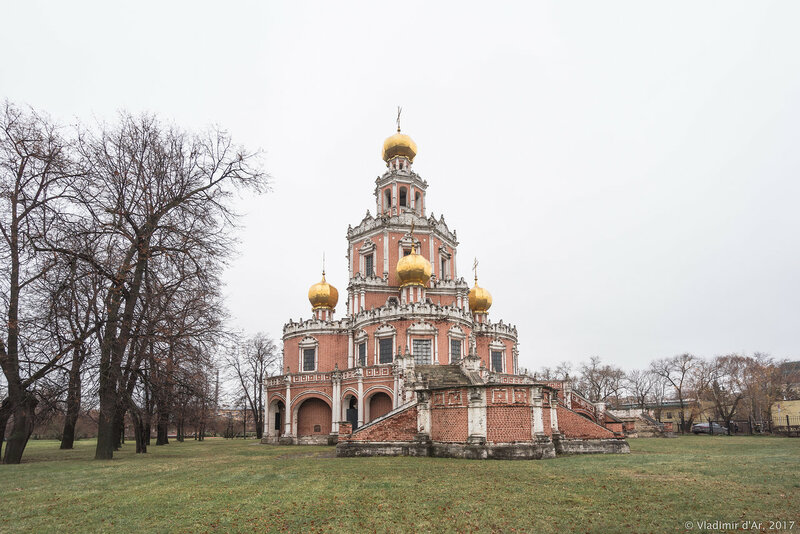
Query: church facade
415,366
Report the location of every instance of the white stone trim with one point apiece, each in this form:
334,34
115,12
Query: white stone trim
308,342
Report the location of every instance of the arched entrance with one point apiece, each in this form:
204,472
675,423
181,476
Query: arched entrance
313,418
276,418
379,404
350,410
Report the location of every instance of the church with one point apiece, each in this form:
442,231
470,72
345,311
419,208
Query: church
415,365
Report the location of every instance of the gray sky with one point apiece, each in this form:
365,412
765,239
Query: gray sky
625,172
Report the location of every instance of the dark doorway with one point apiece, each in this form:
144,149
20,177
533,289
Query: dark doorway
352,412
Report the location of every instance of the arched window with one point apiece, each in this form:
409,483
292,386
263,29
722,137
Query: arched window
403,197
388,196
417,203
308,354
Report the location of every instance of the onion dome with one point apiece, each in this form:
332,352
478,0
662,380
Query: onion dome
323,295
480,300
414,269
399,144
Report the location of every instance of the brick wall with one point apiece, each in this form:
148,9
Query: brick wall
402,426
573,425
614,426
313,418
546,421
332,349
508,423
449,424
379,404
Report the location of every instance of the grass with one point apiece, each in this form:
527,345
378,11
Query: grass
222,485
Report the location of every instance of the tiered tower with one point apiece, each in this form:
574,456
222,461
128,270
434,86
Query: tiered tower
406,307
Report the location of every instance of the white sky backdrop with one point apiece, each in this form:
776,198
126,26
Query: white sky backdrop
626,172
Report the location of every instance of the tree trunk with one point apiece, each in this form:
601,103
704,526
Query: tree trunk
162,426
73,401
5,413
119,426
23,414
139,433
115,340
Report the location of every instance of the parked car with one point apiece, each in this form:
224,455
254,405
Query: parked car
703,428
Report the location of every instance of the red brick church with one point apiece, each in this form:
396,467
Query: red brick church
415,365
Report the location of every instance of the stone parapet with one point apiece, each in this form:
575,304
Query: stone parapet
412,311
500,329
316,326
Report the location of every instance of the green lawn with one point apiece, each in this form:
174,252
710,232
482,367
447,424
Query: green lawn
224,486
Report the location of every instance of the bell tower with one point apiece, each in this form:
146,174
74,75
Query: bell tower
400,189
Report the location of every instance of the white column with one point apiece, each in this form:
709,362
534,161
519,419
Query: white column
395,389
336,406
537,423
553,414
436,348
386,253
350,351
476,414
288,410
424,412
360,397
431,258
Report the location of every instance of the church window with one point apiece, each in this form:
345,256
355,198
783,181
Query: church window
403,195
417,204
422,351
369,265
309,357
406,251
455,350
385,350
497,361
443,271
362,354
388,203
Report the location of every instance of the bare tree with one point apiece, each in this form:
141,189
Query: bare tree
600,382
35,174
251,364
639,384
723,384
149,190
677,372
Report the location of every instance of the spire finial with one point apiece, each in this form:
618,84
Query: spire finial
323,266
475,269
411,233
399,111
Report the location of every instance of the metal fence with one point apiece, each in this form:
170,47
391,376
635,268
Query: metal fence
787,425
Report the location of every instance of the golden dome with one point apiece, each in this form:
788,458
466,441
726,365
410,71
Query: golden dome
480,300
323,295
399,144
414,269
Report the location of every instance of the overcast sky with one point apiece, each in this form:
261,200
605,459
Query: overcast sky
625,172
